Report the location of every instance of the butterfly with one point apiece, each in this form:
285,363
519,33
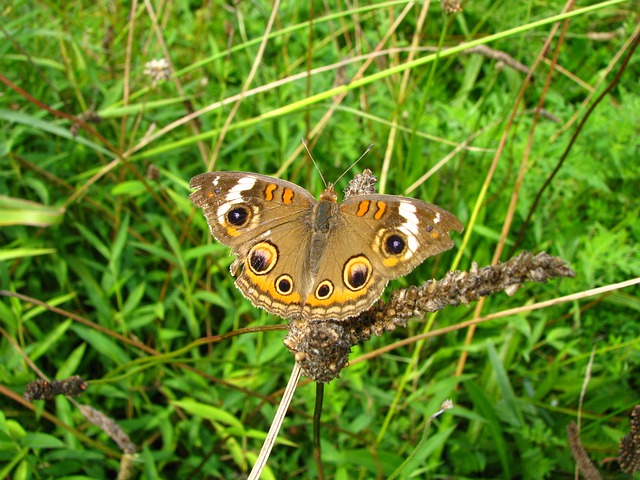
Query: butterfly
298,257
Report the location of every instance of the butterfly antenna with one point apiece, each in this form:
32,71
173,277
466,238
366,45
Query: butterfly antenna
304,142
354,163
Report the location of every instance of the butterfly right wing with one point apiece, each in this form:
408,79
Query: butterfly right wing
267,223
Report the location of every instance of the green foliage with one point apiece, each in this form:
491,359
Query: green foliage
99,227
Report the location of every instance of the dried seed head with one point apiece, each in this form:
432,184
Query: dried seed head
158,70
322,347
629,454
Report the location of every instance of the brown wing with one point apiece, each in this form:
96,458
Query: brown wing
423,229
266,221
374,239
242,206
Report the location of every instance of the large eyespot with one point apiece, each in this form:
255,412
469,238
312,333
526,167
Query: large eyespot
324,290
394,244
262,258
238,216
356,272
284,285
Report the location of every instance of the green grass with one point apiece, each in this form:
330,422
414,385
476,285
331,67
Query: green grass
141,291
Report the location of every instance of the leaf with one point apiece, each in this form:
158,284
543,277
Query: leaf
52,128
485,406
44,346
510,409
120,242
71,362
16,211
54,302
24,253
41,440
133,299
209,412
102,343
130,188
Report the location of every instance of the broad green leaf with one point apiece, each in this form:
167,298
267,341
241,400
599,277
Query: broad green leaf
131,188
46,345
209,412
16,211
104,344
17,253
54,302
52,128
119,243
486,407
71,362
41,440
509,404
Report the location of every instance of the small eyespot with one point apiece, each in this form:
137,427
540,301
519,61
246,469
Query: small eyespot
262,258
394,244
238,216
358,276
284,285
356,272
324,290
259,261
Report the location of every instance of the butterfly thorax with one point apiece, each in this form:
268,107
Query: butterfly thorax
324,211
322,223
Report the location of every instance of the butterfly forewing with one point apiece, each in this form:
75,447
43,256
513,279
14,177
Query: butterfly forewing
259,202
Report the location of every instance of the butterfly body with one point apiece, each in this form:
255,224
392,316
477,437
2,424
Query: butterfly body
317,259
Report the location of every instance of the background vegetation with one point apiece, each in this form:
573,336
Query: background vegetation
97,153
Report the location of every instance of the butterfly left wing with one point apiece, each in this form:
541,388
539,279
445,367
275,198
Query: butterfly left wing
376,238
403,232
